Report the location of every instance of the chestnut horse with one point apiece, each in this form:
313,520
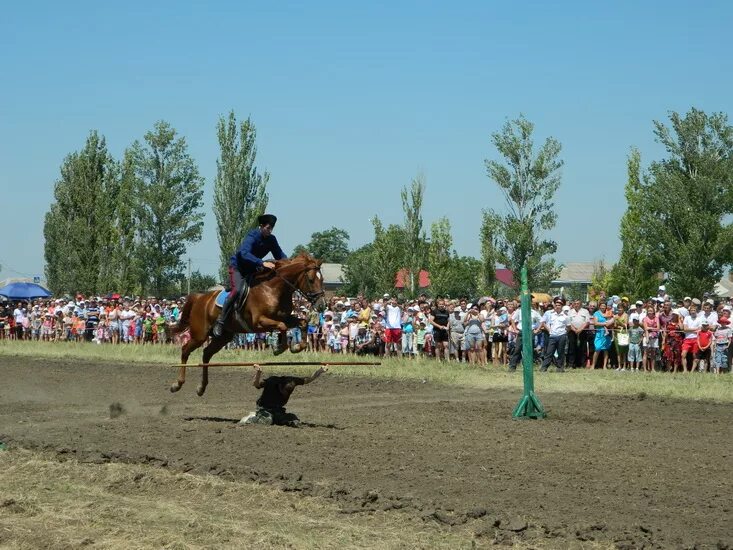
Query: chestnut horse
268,307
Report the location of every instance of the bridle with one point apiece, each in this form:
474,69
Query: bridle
311,296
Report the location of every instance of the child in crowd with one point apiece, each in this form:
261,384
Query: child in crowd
636,334
704,341
722,342
334,339
420,338
344,337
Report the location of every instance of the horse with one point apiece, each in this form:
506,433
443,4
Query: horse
267,307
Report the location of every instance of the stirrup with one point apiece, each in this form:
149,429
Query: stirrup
218,328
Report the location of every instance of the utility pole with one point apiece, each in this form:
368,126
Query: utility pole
188,291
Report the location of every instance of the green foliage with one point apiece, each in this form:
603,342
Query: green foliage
528,182
202,283
372,269
490,238
331,245
635,273
415,246
240,191
78,228
686,200
440,257
359,277
450,275
170,192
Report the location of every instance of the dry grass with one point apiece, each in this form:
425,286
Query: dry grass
50,504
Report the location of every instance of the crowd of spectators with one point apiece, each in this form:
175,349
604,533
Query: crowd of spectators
656,334
95,319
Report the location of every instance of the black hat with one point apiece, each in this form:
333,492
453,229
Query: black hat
267,219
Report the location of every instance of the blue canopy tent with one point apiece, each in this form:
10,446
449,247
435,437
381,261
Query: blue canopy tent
24,291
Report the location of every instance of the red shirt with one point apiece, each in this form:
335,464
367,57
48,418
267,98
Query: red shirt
704,338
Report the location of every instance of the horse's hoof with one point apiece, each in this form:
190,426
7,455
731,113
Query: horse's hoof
296,349
278,351
175,386
200,390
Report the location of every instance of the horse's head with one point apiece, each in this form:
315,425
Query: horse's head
308,279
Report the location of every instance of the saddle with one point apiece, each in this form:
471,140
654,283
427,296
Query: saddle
221,298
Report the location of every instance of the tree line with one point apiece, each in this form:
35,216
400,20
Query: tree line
124,225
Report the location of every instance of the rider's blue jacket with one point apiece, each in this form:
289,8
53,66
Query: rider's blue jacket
254,247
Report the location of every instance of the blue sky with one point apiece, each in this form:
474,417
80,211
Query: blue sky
352,100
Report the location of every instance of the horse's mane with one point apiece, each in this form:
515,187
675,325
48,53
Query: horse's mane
300,261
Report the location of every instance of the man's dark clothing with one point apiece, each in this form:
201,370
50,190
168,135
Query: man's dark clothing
440,316
254,247
277,391
555,343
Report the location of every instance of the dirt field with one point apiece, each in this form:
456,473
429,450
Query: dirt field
620,472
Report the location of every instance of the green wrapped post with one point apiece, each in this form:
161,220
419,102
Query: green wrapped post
529,405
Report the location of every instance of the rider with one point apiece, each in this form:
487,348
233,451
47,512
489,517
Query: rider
247,260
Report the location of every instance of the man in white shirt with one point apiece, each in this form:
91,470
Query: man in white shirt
579,319
515,324
19,316
555,322
393,327
709,315
691,326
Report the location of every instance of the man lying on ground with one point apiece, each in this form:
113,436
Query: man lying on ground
276,390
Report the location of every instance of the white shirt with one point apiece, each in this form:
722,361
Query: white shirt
579,319
394,317
691,326
556,322
18,315
535,317
712,318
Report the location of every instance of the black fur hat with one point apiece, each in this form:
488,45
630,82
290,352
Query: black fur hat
267,219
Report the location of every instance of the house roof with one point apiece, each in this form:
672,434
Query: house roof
333,274
575,272
401,279
506,277
724,288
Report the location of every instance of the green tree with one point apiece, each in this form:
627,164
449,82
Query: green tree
240,191
169,207
440,257
359,276
687,201
389,254
415,245
528,181
464,277
124,257
77,227
489,238
635,273
331,245
201,282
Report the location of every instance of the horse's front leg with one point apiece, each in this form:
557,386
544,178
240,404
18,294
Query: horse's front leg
268,325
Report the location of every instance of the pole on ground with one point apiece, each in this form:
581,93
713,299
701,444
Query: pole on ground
529,405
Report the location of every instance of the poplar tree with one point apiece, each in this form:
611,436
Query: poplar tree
77,227
528,179
168,209
240,191
415,249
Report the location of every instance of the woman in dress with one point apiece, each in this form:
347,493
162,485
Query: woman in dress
602,320
672,339
621,325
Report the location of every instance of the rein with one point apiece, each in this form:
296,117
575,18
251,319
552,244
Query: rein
312,297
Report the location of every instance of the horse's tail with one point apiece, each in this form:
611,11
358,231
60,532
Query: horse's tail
183,322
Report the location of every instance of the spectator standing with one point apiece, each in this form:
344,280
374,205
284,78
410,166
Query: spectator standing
722,342
621,325
555,321
651,333
455,325
636,334
473,335
579,323
393,327
691,326
516,326
704,341
672,338
439,319
602,321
